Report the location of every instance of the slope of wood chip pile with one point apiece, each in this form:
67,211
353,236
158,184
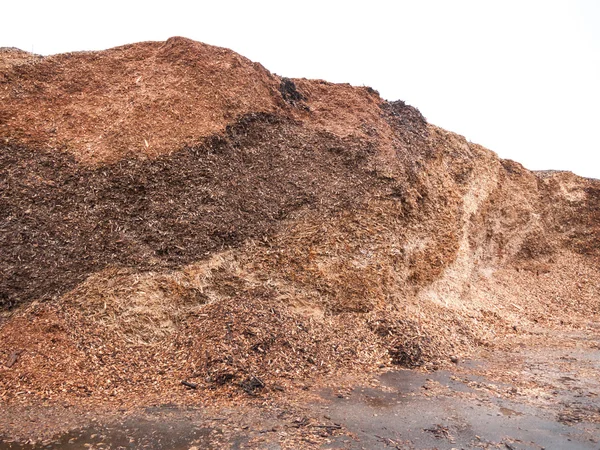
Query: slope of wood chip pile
179,225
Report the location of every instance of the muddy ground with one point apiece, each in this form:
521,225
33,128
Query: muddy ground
532,397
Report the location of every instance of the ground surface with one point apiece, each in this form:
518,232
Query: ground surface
528,398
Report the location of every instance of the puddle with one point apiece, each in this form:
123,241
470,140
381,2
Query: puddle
380,402
405,381
403,412
176,434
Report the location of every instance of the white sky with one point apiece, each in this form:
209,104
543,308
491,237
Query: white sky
519,77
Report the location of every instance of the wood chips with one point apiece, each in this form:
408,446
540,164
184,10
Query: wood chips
179,225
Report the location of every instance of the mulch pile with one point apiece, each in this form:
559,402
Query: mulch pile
177,223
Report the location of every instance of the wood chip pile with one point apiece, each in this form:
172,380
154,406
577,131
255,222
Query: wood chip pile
177,224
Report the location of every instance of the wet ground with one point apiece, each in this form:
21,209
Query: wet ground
401,414
148,431
524,399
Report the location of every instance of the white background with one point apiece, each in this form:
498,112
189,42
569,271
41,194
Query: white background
519,77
